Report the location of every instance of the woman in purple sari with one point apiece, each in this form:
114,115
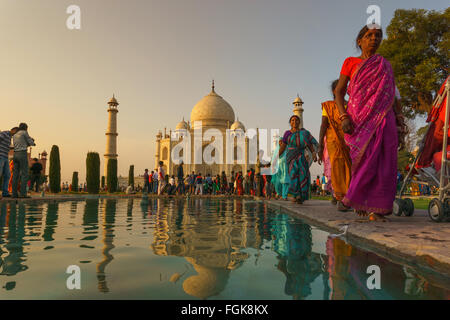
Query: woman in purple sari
370,127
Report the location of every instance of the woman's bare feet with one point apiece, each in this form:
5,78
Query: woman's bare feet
377,217
361,213
342,207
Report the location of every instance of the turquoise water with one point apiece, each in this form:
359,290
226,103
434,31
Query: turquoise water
185,249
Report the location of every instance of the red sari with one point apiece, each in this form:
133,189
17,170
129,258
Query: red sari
239,185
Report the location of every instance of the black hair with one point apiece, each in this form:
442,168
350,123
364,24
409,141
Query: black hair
363,31
23,126
334,85
294,116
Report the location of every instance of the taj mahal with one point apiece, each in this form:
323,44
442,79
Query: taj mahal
212,112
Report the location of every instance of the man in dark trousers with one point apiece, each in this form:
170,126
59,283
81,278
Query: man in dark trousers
36,169
146,182
21,141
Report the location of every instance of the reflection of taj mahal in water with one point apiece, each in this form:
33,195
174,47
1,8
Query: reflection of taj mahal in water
214,113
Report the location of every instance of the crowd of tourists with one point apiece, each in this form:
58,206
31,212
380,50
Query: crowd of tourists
237,183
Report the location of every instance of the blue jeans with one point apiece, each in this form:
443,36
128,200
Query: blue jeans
4,172
155,186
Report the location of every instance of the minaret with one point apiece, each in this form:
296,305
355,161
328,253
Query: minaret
111,133
298,110
158,146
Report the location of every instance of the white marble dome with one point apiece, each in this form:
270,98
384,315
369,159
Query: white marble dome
212,110
237,125
182,125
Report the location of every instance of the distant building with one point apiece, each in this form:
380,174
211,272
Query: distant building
42,159
214,113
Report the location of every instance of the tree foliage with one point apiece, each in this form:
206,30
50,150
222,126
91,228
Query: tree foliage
93,172
55,170
111,176
75,181
418,47
404,159
131,176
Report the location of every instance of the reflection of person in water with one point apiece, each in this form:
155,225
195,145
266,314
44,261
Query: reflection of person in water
348,275
13,263
293,243
342,287
51,221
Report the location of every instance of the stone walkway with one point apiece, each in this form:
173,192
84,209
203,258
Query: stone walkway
416,241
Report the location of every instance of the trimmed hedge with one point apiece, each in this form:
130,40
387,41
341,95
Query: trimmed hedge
111,176
131,177
93,172
75,181
55,170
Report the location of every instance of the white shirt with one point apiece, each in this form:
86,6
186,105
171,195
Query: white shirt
161,174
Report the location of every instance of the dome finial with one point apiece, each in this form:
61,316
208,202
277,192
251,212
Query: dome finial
212,88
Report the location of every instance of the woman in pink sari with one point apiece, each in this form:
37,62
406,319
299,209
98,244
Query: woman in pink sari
370,127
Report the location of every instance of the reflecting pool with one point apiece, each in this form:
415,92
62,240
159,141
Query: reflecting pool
186,249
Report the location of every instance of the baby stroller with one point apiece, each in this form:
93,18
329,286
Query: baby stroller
422,171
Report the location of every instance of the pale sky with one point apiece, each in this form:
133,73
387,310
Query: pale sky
159,57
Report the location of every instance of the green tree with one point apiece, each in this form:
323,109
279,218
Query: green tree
404,159
111,176
75,181
55,170
93,172
418,48
131,177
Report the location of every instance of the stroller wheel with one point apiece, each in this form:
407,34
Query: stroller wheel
436,210
399,207
408,207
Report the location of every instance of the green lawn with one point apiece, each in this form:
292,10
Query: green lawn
420,203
